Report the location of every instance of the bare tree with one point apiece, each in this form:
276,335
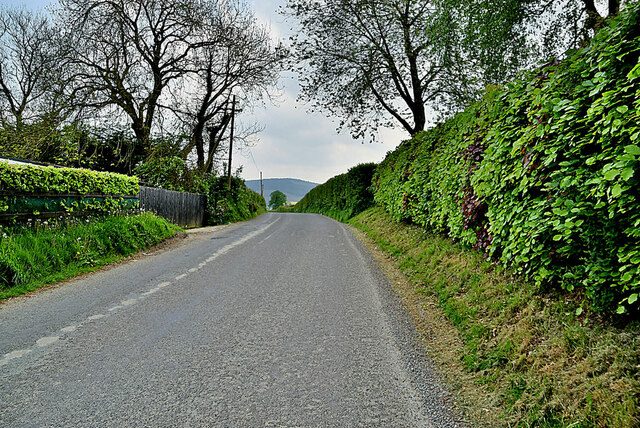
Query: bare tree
235,57
27,65
130,51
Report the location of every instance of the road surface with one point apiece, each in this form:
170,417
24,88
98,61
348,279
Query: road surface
282,321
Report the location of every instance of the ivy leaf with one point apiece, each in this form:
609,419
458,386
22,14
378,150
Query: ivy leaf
634,73
632,149
627,173
633,298
622,109
611,175
616,191
621,310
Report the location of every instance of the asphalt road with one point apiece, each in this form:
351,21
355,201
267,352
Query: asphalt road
279,322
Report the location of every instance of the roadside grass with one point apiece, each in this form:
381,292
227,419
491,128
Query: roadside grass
514,354
32,257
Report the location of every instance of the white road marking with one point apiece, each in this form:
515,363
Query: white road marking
46,341
265,239
96,317
16,354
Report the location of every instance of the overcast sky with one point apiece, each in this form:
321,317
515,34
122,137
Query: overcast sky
294,142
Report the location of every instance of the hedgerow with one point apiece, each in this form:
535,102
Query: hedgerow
343,196
541,175
19,182
238,204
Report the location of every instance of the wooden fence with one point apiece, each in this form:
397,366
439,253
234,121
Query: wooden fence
183,209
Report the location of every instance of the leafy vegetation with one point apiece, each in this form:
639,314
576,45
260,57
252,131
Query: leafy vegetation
34,255
238,204
277,200
540,175
29,180
343,196
517,357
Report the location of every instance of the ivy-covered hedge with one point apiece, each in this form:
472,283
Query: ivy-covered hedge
542,175
241,203
22,188
343,196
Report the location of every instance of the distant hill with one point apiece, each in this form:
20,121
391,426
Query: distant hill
292,187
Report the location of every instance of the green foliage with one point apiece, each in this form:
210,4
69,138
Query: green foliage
26,180
519,357
238,204
343,196
542,175
168,173
277,200
33,256
74,145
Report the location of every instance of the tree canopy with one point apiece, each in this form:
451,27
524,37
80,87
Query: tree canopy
277,199
374,63
400,63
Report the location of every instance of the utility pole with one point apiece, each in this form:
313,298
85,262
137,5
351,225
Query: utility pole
233,116
261,185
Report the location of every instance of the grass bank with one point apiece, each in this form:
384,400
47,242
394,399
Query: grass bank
514,354
31,257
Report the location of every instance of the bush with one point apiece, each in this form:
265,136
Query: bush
541,175
238,204
343,196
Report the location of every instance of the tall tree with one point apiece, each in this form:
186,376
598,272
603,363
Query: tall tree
236,57
27,65
374,62
130,51
499,39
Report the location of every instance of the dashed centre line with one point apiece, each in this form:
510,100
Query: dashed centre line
49,340
46,341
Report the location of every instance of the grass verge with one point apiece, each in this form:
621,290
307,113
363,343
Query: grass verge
31,257
515,355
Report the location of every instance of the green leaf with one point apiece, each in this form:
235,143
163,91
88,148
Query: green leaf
632,149
634,73
611,175
621,310
622,109
627,173
616,191
579,311
633,298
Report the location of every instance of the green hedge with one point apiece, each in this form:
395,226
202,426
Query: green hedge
542,175
19,185
343,196
241,203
